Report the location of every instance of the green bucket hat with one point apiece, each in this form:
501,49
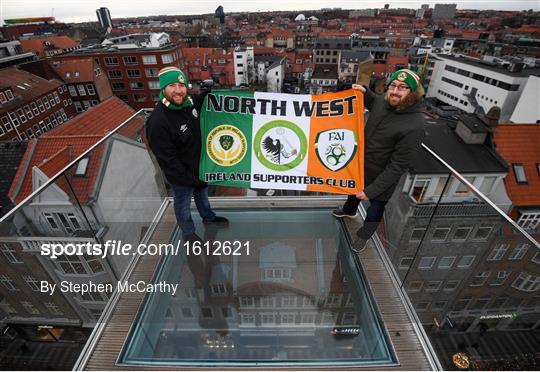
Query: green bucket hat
406,76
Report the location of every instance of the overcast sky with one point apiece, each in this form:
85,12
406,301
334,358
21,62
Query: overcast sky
84,10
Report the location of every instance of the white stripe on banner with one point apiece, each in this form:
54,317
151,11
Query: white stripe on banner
279,137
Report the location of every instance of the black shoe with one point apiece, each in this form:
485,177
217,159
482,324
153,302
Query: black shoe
339,213
359,244
218,220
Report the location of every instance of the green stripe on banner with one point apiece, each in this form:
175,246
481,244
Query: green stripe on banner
226,152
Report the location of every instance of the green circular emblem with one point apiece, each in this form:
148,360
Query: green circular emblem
280,145
226,145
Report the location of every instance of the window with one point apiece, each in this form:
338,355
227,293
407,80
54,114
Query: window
433,286
417,233
465,262
111,61
140,97
118,86
56,97
28,112
78,107
32,282
10,253
30,308
151,72
52,100
462,233
419,189
519,252
519,173
226,312
498,252
137,85
22,116
219,289
40,103
440,234
439,305
53,308
287,318
462,304
288,301
247,301
500,278
479,279
8,283
268,318
130,60
132,73
451,285
462,189
483,231
446,262
405,263
80,89
426,263
307,318
90,89
115,74
82,166
123,97
415,286
153,84
333,299
46,101
487,184
526,282
277,274
247,318
7,124
187,312
529,220
166,58
149,60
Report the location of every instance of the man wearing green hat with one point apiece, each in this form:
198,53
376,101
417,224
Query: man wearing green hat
393,134
174,136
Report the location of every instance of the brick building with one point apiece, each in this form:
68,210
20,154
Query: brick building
31,105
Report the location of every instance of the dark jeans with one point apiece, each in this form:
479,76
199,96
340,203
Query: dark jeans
374,215
182,202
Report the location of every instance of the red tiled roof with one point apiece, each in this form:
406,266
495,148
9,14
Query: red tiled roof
50,155
58,147
26,85
519,143
37,45
100,120
75,70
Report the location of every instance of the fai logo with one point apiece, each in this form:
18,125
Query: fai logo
226,145
335,148
280,145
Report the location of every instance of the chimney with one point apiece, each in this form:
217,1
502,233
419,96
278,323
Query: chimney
491,119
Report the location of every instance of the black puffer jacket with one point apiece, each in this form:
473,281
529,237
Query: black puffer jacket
392,138
174,136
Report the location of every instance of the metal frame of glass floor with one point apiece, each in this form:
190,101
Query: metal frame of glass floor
300,299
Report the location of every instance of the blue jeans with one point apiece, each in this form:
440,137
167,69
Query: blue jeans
374,215
182,203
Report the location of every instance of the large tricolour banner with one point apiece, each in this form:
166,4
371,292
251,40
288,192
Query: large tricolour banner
284,141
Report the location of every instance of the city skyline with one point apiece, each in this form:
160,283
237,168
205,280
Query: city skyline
85,10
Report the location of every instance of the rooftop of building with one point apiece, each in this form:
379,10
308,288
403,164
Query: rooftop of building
75,70
501,70
519,144
25,86
464,158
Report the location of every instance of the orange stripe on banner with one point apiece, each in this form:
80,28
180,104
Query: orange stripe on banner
354,170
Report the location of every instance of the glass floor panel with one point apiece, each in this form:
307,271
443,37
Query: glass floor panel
298,298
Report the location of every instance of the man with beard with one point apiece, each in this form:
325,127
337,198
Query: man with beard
393,135
174,136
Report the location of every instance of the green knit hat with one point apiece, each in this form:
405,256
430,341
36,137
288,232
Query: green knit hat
406,76
170,75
